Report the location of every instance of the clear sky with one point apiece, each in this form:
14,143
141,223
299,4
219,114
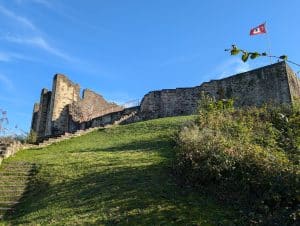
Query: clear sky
126,48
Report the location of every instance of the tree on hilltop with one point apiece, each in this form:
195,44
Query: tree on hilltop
3,121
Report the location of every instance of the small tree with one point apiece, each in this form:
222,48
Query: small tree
3,121
32,137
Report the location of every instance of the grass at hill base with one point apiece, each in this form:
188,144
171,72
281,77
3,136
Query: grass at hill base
115,176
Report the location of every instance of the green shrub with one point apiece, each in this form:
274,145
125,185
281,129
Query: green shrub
31,137
249,155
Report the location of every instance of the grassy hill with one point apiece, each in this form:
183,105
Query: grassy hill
115,176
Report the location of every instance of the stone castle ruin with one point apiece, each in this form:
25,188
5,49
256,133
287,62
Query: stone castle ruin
62,110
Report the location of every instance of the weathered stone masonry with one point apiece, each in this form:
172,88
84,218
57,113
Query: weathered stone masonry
64,92
275,83
67,112
43,111
35,117
9,148
62,110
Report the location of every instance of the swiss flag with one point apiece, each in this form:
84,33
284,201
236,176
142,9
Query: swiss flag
261,29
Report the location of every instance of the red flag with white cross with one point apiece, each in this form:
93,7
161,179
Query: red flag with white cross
261,29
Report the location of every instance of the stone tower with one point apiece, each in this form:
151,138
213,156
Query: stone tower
62,109
64,92
43,112
35,117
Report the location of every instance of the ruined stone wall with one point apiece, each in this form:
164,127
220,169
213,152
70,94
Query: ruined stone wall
170,102
43,111
270,84
9,148
34,119
62,110
64,92
91,105
113,117
294,85
253,88
65,111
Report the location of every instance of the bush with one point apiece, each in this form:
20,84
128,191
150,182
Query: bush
249,155
31,137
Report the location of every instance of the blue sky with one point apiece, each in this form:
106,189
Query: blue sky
126,48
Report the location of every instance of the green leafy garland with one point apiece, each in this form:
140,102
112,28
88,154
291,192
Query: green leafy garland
253,55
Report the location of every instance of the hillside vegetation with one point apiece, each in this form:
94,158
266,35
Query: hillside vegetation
246,157
116,176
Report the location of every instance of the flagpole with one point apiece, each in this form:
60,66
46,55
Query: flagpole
269,44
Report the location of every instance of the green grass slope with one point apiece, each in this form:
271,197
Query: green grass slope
115,176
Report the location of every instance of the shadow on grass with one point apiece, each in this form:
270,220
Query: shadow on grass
118,194
158,145
28,188
127,196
